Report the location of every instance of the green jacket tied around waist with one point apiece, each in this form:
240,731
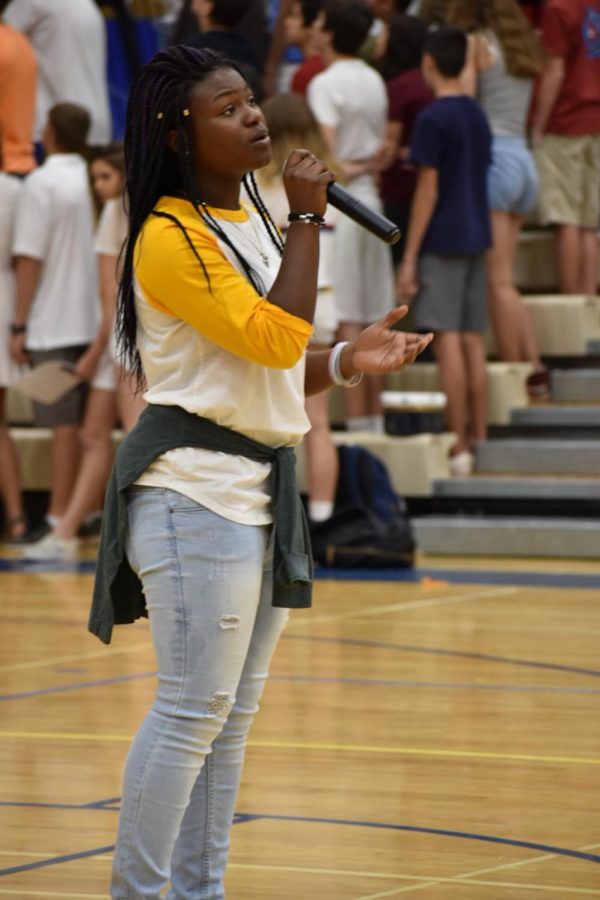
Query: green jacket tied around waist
118,597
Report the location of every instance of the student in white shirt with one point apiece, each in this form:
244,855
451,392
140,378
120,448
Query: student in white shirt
57,305
110,386
69,39
349,101
15,524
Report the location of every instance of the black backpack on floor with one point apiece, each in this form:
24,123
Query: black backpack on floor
369,527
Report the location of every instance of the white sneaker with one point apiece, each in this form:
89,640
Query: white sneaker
51,547
461,465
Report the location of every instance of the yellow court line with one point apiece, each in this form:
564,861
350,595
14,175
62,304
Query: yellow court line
363,613
425,751
74,657
337,748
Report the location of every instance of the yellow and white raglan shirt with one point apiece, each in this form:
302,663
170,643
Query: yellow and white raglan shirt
219,351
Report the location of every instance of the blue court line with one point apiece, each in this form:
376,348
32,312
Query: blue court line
466,576
75,686
441,651
454,576
57,860
241,818
417,829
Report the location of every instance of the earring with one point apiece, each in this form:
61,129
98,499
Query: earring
185,112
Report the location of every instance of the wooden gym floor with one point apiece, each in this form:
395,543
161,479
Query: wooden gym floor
437,735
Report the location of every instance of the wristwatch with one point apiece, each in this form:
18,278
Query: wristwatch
18,329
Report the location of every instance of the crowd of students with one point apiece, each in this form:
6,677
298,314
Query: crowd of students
457,118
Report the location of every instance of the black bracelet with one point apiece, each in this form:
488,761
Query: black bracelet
308,218
18,329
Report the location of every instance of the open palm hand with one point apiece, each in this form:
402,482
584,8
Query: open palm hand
379,349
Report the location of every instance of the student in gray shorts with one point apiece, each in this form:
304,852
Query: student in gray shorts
444,259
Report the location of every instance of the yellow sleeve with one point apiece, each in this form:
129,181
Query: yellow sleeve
229,312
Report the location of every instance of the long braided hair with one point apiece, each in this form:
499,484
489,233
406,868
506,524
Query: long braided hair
157,100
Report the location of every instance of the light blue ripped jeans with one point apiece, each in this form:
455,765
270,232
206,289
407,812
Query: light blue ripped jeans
207,583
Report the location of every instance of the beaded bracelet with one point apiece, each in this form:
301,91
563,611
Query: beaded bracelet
335,371
307,218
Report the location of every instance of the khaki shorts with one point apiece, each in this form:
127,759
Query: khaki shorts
569,170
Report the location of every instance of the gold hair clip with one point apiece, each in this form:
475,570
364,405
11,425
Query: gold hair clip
185,112
160,115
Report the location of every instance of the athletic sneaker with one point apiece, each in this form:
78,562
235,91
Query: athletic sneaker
461,465
51,547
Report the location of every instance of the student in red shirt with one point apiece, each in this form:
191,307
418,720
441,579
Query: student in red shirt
566,134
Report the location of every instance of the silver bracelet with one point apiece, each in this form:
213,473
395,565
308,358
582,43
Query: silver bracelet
335,371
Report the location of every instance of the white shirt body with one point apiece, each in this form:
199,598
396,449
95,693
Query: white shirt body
55,225
69,39
351,97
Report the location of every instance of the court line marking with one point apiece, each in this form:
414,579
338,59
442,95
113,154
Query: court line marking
254,817
7,892
465,878
456,879
402,606
54,660
338,748
542,888
444,651
313,679
526,862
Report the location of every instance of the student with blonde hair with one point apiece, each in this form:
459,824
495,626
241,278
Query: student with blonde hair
506,58
291,124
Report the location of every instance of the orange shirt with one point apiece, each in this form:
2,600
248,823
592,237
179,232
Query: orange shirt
18,76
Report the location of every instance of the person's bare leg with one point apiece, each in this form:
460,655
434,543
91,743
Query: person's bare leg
357,399
511,322
321,455
64,463
448,350
569,255
10,477
590,255
130,401
474,355
96,460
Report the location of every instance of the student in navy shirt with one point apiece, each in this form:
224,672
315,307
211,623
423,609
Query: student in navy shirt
444,261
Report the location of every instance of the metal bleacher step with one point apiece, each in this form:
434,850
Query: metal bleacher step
593,346
564,417
539,456
519,487
508,536
576,386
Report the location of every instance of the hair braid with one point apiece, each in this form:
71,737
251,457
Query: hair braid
251,186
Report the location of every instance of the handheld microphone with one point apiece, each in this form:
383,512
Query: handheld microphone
373,221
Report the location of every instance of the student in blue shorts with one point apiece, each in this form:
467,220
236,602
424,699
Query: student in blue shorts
443,265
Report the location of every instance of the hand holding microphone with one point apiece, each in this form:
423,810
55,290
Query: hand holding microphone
303,172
